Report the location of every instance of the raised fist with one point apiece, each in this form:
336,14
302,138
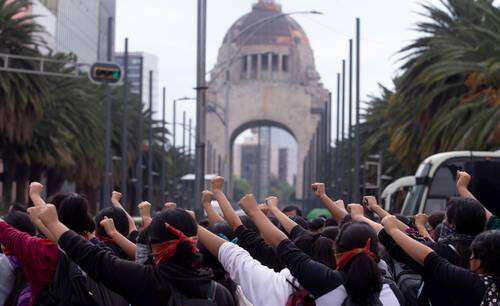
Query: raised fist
318,189
217,183
109,225
249,204
206,197
357,211
35,189
390,223
48,214
370,202
463,179
170,205
272,202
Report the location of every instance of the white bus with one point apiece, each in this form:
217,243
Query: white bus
435,181
393,196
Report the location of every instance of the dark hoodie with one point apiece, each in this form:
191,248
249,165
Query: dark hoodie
140,284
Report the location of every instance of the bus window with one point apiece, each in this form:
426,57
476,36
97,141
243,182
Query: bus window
485,184
443,185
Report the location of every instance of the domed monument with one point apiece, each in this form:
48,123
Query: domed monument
265,75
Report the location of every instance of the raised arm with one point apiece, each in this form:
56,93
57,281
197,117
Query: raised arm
416,250
212,215
145,212
357,214
463,180
229,214
35,193
371,203
211,241
287,223
34,213
126,245
420,222
115,200
101,265
270,233
337,209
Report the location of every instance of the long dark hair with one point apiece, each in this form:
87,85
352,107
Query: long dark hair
182,221
363,279
319,247
73,212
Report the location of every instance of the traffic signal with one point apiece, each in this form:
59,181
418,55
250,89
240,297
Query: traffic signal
105,73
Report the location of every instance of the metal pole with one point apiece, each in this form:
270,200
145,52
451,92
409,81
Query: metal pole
190,137
184,142
337,145
349,155
174,143
107,137
124,167
162,156
150,139
139,190
184,132
358,136
227,150
342,146
201,89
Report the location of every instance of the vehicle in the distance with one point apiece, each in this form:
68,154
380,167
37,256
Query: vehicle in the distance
393,196
435,181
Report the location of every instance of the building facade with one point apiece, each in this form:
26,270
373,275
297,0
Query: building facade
139,65
265,75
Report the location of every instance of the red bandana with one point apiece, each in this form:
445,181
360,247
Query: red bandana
343,259
162,252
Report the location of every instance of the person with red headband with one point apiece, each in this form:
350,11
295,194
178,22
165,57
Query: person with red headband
173,279
357,279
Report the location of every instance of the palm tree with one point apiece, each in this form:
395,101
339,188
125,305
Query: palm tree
447,96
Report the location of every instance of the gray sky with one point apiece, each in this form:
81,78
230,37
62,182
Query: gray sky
167,28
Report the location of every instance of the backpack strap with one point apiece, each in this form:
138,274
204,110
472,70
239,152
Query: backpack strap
395,289
212,291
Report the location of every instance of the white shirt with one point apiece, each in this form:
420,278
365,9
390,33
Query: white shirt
260,284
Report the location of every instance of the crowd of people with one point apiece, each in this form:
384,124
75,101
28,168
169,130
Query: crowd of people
55,253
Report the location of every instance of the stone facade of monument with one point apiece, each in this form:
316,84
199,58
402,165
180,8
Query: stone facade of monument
265,74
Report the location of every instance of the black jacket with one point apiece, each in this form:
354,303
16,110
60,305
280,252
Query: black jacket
139,284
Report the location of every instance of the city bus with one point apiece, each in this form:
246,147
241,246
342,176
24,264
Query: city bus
393,196
435,181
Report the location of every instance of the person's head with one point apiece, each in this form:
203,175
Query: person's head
317,225
56,199
292,210
434,220
466,216
486,253
358,242
318,247
300,221
331,232
73,212
18,207
21,221
119,219
180,220
331,222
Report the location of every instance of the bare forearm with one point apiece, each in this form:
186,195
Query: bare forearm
377,227
126,245
423,231
380,211
56,229
212,215
270,233
210,241
228,211
337,213
416,250
287,223
45,231
37,200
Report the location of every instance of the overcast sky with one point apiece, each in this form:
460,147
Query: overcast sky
167,28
